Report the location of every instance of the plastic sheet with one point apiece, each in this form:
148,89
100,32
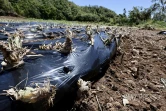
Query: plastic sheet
62,70
162,32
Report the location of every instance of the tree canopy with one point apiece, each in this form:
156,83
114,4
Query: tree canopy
56,9
67,10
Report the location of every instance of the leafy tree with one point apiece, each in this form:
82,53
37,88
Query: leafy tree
160,9
138,14
124,12
5,7
67,10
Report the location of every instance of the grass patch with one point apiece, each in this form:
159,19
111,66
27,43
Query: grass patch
159,25
17,19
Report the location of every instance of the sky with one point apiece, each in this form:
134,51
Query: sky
115,5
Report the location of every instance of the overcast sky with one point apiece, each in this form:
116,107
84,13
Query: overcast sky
115,5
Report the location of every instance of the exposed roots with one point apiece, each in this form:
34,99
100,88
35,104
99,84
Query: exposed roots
13,52
83,87
65,47
32,95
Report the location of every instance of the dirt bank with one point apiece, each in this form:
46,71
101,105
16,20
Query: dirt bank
12,18
135,75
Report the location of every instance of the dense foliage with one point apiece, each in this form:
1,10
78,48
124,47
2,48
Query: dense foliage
66,10
56,9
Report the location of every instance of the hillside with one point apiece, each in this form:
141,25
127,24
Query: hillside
55,9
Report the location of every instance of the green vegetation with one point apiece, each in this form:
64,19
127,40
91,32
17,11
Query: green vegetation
66,10
56,9
153,24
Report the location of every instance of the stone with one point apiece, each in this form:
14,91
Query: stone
109,105
142,90
135,52
127,71
3,63
125,101
131,82
117,104
154,55
152,87
111,99
112,109
134,103
148,100
163,80
134,69
134,62
153,107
